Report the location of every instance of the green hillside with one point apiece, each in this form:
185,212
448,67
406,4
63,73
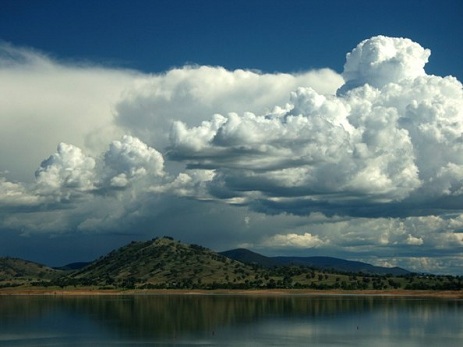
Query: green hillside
163,263
15,272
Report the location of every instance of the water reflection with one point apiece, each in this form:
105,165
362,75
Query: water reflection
229,320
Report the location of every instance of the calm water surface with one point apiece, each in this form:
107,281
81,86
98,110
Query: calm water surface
216,320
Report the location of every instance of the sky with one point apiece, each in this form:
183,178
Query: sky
304,128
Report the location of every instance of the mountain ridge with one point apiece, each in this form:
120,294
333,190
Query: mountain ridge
165,263
318,262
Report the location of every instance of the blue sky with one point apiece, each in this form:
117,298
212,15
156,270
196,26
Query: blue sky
233,124
153,36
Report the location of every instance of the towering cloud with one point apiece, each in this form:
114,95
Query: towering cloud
129,159
67,168
382,60
369,162
391,139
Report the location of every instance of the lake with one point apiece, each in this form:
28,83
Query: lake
230,320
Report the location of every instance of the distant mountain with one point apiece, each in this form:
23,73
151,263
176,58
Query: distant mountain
249,257
341,265
325,263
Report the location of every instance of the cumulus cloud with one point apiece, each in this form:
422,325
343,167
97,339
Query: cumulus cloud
307,240
131,158
368,163
45,102
69,168
77,192
381,60
88,106
192,94
15,195
412,240
392,140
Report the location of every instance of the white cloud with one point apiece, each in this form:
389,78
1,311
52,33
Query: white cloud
412,240
396,138
48,102
381,60
45,102
131,158
242,156
192,184
68,169
14,195
306,240
193,94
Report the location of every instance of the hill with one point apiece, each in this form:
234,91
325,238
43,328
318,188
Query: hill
16,272
249,257
336,264
163,263
322,263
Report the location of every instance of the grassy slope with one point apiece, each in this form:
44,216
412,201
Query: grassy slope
15,272
164,262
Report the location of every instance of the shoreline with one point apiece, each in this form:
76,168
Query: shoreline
249,292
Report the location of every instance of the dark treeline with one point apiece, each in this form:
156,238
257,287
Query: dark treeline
284,277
